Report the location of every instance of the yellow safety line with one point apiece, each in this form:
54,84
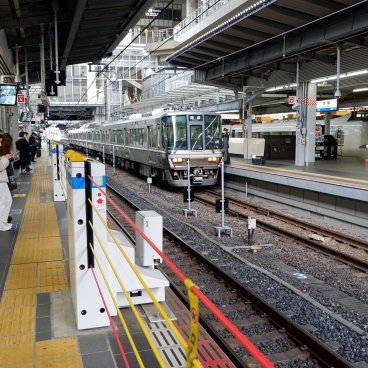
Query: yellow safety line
154,300
194,324
126,329
132,306
308,173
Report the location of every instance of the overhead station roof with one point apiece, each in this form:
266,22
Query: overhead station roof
272,35
88,30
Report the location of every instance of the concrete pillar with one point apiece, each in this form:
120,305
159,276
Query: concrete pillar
191,6
311,123
306,124
248,128
13,126
327,122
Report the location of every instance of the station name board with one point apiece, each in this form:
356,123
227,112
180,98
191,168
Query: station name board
327,105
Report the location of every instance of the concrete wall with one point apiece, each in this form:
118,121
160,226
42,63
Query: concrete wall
333,209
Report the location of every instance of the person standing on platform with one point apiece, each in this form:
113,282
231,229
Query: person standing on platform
33,144
5,196
24,152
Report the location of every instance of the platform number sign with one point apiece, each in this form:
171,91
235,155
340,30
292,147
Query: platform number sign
21,98
292,100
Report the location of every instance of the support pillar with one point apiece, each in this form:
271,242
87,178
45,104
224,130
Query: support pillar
306,124
248,129
327,123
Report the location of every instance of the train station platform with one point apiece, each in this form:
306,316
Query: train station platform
336,189
37,321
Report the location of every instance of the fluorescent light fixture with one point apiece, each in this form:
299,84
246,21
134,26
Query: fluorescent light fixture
342,76
278,88
360,89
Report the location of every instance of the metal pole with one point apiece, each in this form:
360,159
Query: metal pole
103,154
246,189
113,159
188,164
57,80
222,195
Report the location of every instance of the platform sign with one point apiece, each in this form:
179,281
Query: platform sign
292,100
327,105
21,98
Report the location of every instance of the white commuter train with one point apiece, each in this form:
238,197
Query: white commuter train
159,146
350,132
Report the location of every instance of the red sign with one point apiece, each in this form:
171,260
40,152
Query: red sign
21,98
292,100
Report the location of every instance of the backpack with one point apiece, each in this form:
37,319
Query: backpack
17,145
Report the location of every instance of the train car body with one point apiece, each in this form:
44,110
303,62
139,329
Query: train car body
350,133
159,146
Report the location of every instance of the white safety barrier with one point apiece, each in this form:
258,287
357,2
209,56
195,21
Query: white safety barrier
88,306
58,190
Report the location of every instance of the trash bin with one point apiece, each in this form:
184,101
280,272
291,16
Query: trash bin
257,160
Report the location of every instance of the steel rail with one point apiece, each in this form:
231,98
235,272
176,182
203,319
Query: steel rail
296,333
338,236
313,244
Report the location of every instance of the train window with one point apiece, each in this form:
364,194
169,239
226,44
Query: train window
89,136
213,131
126,137
152,136
115,136
196,137
195,117
120,139
180,133
167,132
140,137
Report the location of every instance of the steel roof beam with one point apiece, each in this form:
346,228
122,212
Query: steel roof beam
294,14
78,13
295,43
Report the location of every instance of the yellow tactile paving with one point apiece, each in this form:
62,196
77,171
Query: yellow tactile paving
12,355
58,353
19,312
17,327
68,362
16,339
36,266
51,349
21,276
18,297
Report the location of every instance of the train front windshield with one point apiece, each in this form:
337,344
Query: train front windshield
213,132
181,132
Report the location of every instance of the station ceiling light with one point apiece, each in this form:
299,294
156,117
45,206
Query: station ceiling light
342,75
278,88
360,89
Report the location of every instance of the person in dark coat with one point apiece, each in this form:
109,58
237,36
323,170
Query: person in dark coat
24,152
32,141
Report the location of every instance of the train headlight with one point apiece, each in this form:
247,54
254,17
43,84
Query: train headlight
212,159
177,160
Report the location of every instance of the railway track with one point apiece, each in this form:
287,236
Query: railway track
262,214
281,339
